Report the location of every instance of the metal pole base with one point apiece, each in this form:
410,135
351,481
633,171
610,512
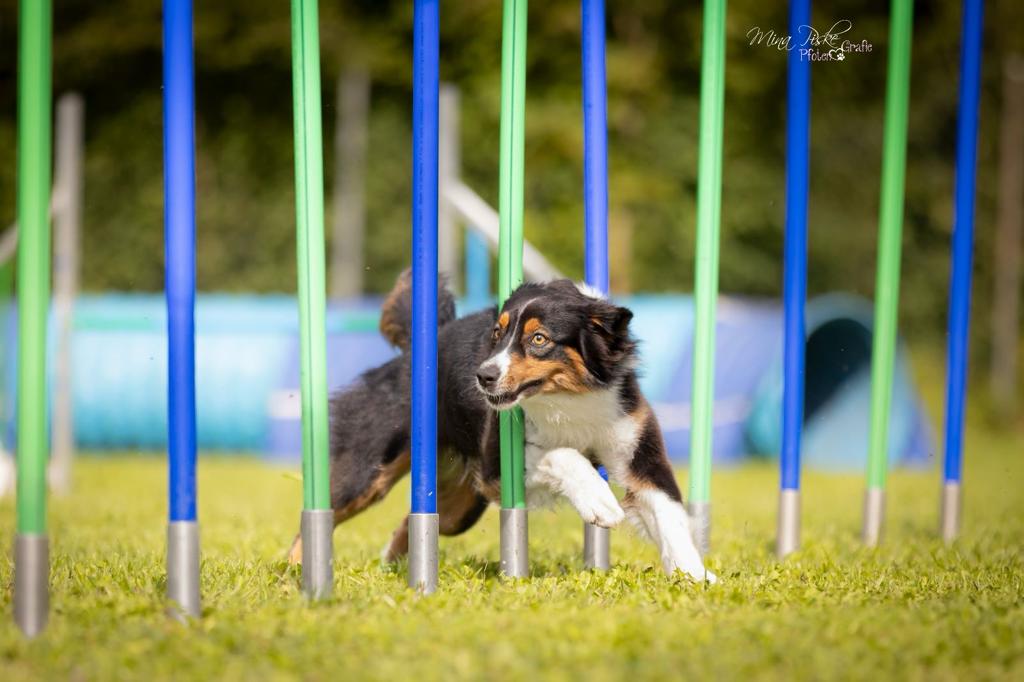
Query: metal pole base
787,539
950,523
423,552
515,557
597,547
31,582
317,530
183,569
700,526
874,516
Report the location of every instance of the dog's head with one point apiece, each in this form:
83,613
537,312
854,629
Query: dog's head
554,338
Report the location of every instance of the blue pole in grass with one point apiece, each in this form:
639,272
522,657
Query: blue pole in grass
798,104
179,239
960,281
596,540
423,519
595,140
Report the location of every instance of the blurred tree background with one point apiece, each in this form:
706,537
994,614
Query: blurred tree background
111,53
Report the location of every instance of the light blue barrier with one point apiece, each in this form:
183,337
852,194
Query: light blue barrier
838,394
247,374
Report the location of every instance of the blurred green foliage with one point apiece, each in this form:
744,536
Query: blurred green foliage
111,53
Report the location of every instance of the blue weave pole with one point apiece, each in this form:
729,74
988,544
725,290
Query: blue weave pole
595,201
423,519
180,246
798,104
960,280
595,143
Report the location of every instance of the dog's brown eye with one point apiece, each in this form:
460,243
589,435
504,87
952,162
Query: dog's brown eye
538,339
496,332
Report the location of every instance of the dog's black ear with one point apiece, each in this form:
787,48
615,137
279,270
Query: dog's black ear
604,339
610,319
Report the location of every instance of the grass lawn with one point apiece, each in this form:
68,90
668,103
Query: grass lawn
913,609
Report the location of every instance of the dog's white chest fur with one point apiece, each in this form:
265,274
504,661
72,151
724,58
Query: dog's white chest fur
590,423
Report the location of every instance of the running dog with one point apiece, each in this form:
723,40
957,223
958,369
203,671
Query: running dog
561,352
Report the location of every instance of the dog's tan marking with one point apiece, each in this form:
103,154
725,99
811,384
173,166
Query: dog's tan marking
386,478
641,413
454,502
532,325
503,320
577,363
295,553
556,375
393,325
399,546
489,489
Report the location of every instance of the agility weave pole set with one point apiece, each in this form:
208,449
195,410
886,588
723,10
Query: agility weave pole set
887,281
33,284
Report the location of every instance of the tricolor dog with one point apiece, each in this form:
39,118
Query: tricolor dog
564,355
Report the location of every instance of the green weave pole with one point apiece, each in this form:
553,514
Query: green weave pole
510,240
709,199
33,259
309,208
6,289
890,229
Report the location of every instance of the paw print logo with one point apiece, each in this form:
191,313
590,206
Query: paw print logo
840,55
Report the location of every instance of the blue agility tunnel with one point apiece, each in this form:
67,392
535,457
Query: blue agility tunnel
248,375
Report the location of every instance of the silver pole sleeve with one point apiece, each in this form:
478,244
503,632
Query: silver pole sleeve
317,530
950,523
31,582
596,547
423,552
515,558
874,516
787,538
183,569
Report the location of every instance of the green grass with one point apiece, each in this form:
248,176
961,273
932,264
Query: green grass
912,609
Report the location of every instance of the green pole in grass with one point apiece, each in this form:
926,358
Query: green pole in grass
514,560
317,518
709,203
31,549
887,280
6,289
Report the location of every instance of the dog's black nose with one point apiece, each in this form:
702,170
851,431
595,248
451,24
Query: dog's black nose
487,375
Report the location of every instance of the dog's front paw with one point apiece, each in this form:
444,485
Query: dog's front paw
692,568
600,508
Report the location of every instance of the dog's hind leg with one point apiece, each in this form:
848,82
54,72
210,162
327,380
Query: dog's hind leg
399,545
353,501
459,507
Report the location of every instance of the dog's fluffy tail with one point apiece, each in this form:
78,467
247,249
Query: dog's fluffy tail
396,313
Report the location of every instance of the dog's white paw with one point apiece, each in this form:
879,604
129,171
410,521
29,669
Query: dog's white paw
693,568
600,507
